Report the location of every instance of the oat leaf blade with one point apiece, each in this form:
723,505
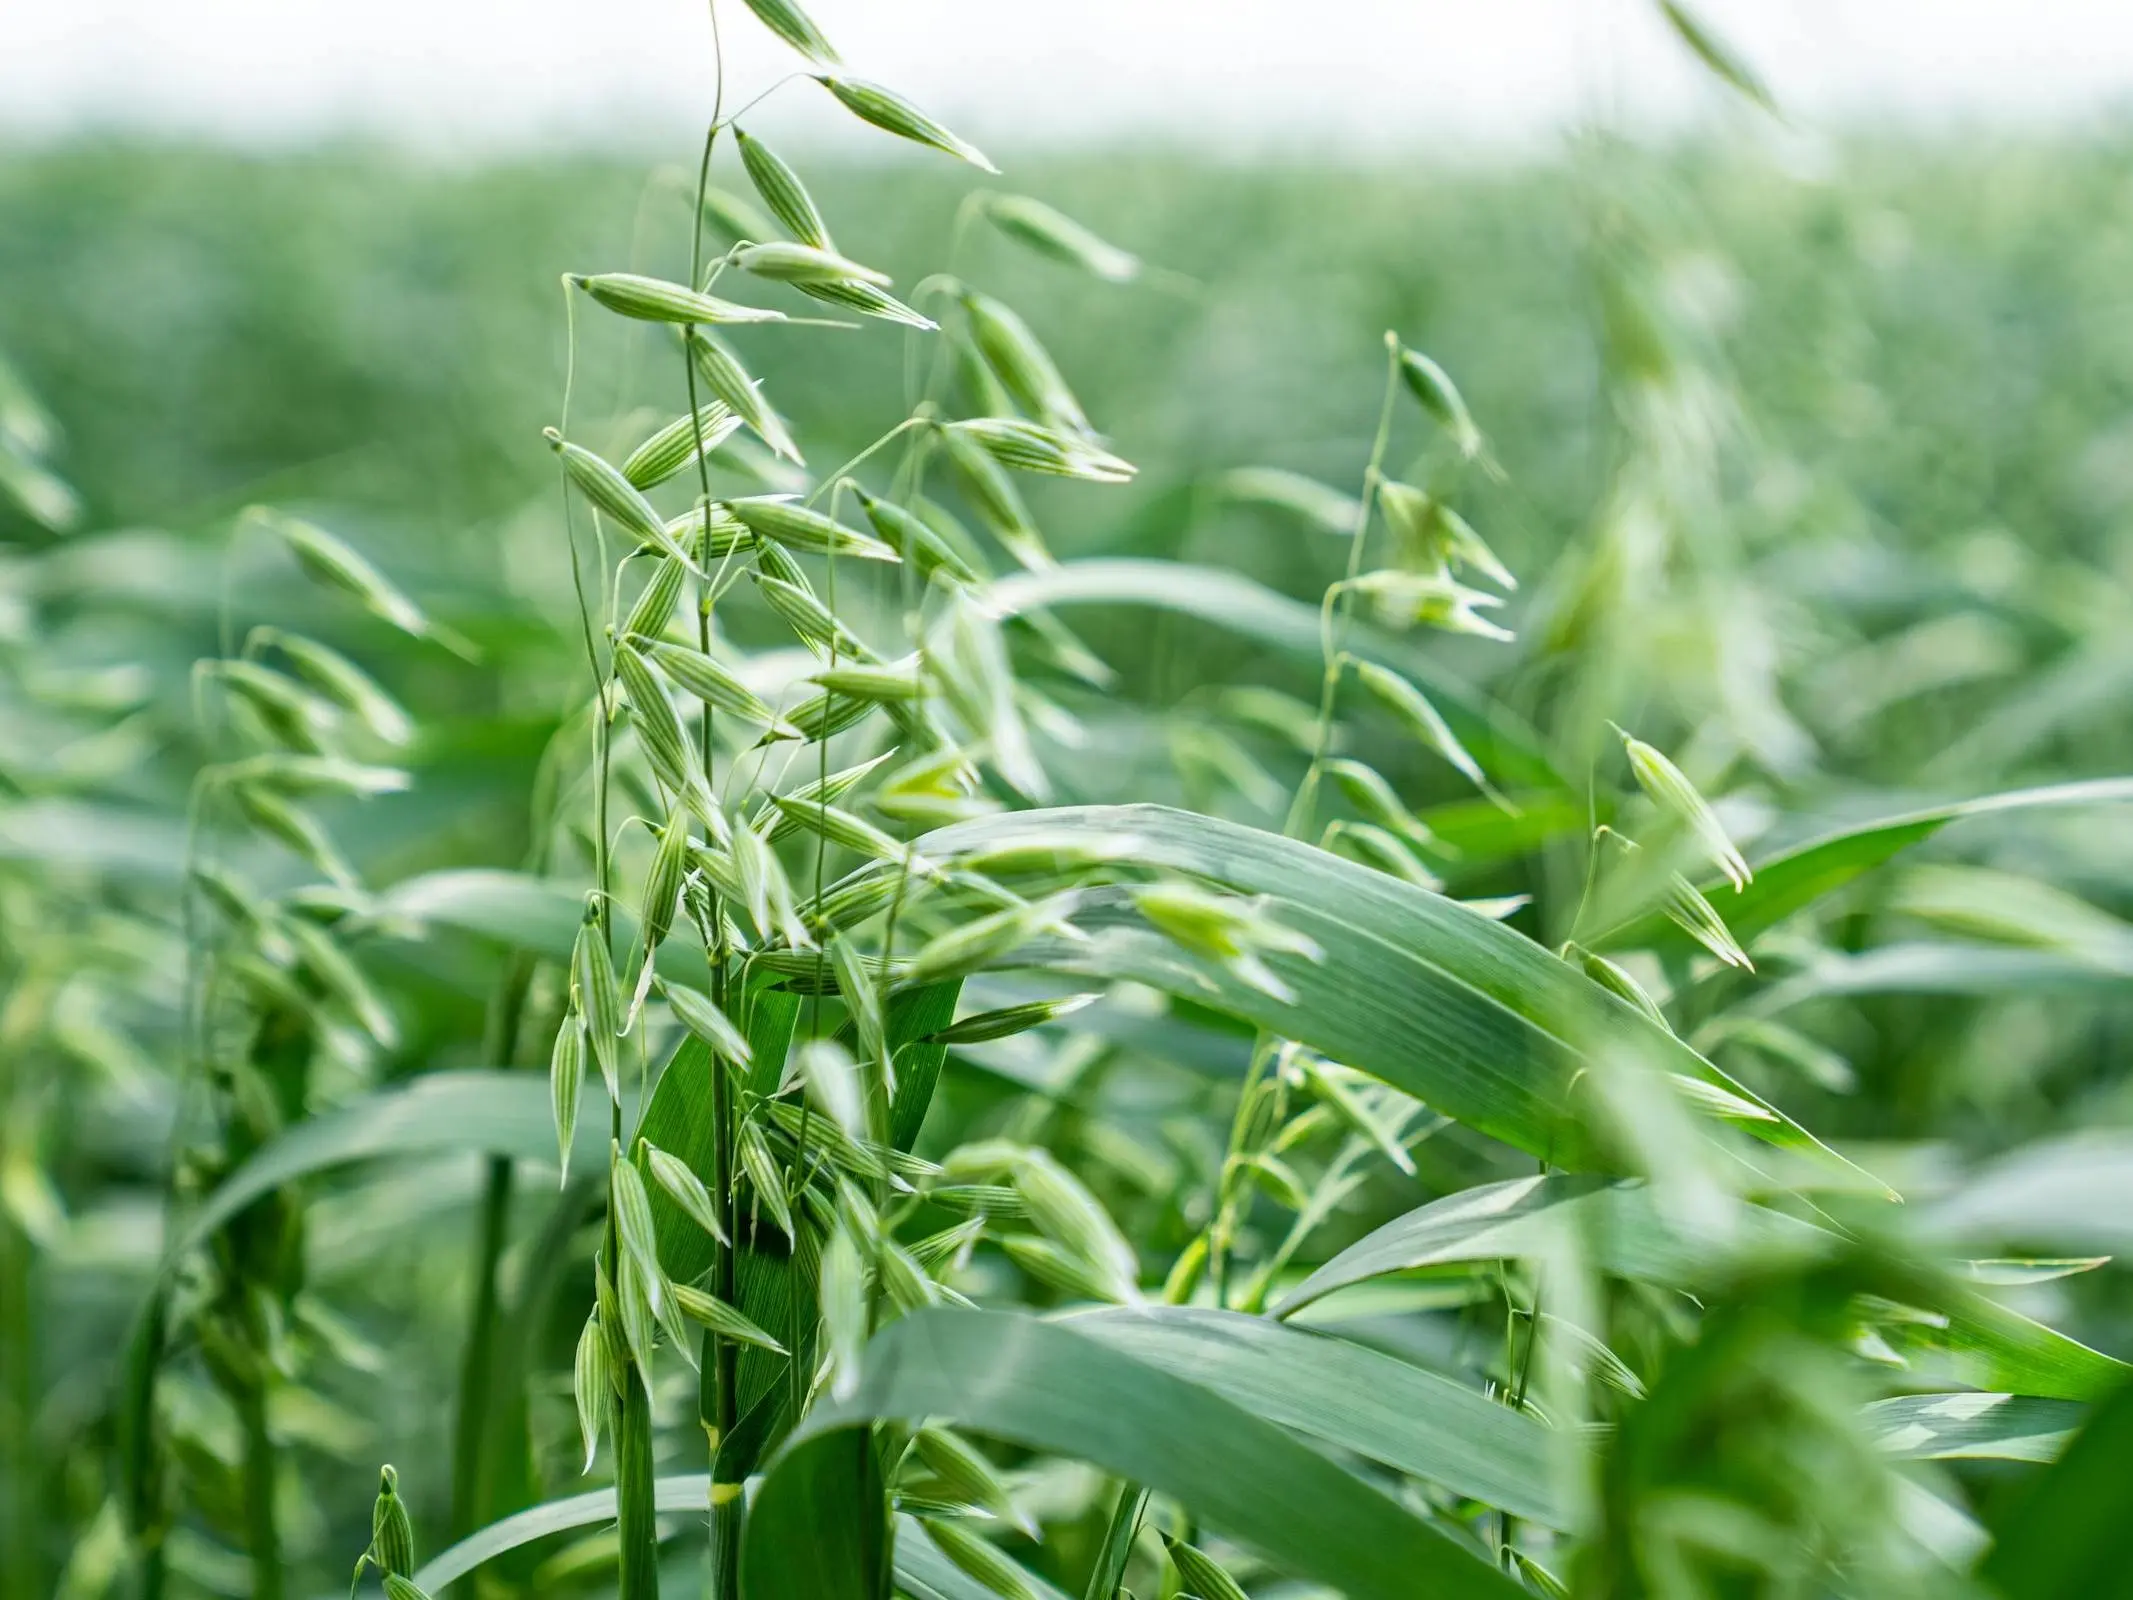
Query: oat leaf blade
1512,1026
1352,1397
1047,1387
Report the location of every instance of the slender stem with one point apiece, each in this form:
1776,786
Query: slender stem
1117,1548
1338,603
635,1507
721,1357
790,77
477,1367
22,1531
832,480
1333,616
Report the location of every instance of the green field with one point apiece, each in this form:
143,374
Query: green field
1819,481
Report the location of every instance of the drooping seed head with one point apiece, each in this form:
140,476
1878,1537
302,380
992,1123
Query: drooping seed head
710,680
1031,447
679,443
737,219
810,532
1007,1021
1687,908
892,113
594,1384
1067,1213
869,300
1022,363
345,684
336,564
729,381
1440,397
1198,1574
842,1297
1668,788
1432,599
977,944
633,1223
784,193
914,540
981,1559
1421,718
774,825
392,1535
701,1016
832,1080
631,294
784,262
662,882
1616,980
605,486
1052,233
566,1075
722,1319
599,997
795,27
654,606
684,1188
1234,932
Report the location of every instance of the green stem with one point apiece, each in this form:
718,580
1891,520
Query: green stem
477,1366
1335,611
1117,1548
21,1534
262,1531
471,1420
721,1357
634,1491
1333,617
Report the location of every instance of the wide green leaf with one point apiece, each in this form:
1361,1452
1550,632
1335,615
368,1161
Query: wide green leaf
1626,1234
819,1528
921,1570
1046,1387
679,1494
486,1112
1965,1425
1622,1229
1392,1412
1434,998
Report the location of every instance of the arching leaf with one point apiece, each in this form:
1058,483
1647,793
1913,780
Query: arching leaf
1046,1387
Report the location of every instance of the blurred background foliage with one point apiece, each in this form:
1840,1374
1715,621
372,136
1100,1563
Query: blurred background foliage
1910,371
1821,469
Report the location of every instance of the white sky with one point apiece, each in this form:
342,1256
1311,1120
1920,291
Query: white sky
1245,76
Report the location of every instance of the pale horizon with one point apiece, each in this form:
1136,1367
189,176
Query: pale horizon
1239,78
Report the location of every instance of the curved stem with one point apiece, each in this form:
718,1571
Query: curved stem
1334,612
790,77
831,480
